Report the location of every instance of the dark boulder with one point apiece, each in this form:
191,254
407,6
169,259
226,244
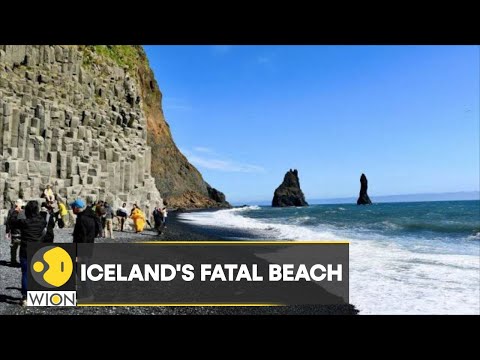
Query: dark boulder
363,198
217,196
289,192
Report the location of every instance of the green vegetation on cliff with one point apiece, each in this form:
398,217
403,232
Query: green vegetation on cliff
122,55
179,182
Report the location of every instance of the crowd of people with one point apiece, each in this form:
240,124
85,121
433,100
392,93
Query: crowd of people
33,223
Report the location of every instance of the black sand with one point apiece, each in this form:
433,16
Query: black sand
175,231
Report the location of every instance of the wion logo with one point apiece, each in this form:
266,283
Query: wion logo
51,275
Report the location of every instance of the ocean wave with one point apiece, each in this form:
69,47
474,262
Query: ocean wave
390,225
262,229
474,237
441,227
244,208
385,276
302,220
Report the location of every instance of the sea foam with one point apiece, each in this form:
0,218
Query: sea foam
385,277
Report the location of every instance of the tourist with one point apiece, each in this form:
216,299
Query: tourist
14,232
46,211
122,214
85,229
100,211
63,212
134,206
32,230
108,221
164,213
158,219
138,219
48,194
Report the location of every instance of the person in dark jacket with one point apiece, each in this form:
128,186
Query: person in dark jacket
14,232
45,210
108,230
158,219
31,229
100,211
86,225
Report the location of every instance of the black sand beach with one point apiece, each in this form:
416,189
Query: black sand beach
175,231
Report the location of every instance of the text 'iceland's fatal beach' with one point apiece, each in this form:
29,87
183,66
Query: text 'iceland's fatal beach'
210,272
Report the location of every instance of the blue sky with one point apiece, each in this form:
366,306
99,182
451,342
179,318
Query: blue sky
406,116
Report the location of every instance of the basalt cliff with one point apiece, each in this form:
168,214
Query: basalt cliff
88,120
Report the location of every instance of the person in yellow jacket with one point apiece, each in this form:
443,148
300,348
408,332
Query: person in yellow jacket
138,219
63,212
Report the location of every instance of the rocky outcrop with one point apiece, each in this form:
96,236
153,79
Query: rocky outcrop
289,192
363,198
194,200
88,121
217,196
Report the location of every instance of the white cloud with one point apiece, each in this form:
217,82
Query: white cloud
203,149
207,158
221,49
171,103
224,165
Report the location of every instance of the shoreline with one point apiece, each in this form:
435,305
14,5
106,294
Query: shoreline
176,231
184,230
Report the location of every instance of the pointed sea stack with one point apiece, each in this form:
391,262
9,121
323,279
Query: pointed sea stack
363,198
289,192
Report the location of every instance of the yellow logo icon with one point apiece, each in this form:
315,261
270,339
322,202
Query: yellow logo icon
52,266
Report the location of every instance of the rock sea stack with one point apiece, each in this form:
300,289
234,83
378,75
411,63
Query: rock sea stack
289,192
363,198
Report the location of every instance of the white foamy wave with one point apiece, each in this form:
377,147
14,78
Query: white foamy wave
244,208
385,278
390,225
474,237
299,220
232,220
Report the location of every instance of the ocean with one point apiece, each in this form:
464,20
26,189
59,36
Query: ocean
405,258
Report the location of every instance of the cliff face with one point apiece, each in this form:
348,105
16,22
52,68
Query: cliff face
289,192
72,119
180,182
88,120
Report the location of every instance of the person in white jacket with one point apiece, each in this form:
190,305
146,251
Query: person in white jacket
48,194
164,213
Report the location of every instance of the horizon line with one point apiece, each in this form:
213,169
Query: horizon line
476,192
